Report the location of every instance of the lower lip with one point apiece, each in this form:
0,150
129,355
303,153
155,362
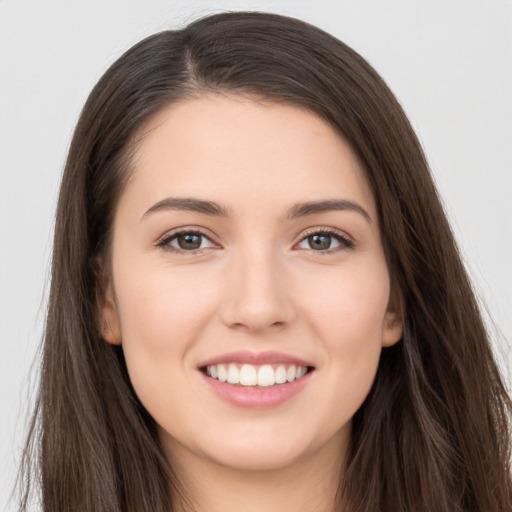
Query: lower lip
254,397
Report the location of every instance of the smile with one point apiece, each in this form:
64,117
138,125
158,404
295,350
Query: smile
256,380
252,375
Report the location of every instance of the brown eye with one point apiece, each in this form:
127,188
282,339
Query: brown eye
319,241
326,242
189,241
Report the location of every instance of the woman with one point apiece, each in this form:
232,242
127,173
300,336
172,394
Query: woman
256,300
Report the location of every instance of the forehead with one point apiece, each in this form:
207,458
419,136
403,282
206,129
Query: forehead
235,149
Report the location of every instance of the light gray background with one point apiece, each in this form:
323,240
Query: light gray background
448,62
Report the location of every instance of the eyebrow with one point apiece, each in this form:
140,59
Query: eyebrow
314,207
189,204
214,209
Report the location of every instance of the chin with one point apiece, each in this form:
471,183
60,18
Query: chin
273,448
258,458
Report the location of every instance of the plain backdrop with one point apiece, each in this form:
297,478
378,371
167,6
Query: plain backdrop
449,63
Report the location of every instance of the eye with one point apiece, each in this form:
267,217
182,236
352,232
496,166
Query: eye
187,241
325,241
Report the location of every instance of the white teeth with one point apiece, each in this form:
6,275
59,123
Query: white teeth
222,374
249,375
280,375
290,374
266,376
233,374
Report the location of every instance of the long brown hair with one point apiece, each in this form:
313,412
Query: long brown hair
434,431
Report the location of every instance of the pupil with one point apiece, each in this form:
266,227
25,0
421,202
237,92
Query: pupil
189,241
319,241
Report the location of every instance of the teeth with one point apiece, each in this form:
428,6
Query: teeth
280,375
290,374
300,372
222,374
233,374
266,376
249,375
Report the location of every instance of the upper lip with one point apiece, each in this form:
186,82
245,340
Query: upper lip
255,358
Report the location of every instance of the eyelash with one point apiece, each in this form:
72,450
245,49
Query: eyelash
345,242
168,238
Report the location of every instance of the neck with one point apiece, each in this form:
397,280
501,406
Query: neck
308,485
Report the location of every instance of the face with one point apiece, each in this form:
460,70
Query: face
249,287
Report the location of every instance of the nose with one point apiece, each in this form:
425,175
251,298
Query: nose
257,295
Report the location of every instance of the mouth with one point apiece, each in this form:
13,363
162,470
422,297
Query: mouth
258,380
256,376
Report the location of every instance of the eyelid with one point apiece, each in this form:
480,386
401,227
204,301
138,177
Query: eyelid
346,241
165,239
342,237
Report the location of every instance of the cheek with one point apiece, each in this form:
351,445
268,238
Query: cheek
160,308
347,317
161,313
348,308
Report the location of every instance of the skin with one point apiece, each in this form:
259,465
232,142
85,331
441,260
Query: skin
256,284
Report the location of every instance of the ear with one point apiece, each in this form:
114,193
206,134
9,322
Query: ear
110,328
394,318
107,316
